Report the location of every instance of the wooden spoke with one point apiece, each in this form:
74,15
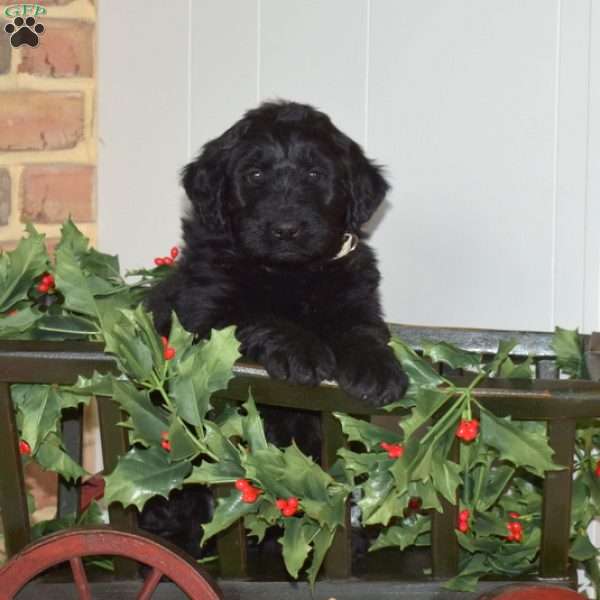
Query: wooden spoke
80,578
150,584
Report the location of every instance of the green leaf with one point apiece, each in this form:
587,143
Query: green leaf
73,283
582,548
531,451
206,368
446,477
52,457
133,355
228,511
68,324
419,371
568,346
467,579
149,421
511,370
142,474
297,535
20,267
252,427
493,485
450,355
505,347
427,403
366,433
219,472
321,544
19,324
72,238
40,408
183,444
402,536
98,384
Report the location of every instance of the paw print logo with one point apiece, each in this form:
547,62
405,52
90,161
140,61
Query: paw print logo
24,31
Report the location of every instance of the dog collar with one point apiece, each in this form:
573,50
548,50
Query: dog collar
348,245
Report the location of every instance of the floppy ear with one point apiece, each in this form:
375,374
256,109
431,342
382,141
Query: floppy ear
205,179
367,187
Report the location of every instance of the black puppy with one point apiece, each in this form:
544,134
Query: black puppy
272,245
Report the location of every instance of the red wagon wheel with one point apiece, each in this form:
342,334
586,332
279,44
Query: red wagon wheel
72,545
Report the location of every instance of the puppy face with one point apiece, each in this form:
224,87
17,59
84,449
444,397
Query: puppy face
285,184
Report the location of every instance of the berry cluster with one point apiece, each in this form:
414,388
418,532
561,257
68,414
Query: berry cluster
46,284
159,261
467,430
164,441
24,448
288,507
249,493
393,450
515,531
463,520
168,351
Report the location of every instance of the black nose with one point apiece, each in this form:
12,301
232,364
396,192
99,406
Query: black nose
286,231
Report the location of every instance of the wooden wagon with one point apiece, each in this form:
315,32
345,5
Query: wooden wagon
390,574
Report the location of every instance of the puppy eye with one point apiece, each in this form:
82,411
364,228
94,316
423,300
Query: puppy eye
313,174
255,176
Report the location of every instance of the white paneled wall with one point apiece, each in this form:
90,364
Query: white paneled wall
486,113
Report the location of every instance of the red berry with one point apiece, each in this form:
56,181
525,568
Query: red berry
250,495
464,515
166,445
280,503
597,469
384,445
393,450
415,503
242,484
289,511
514,515
24,448
169,353
468,430
293,502
463,526
159,261
42,287
168,260
174,252
48,280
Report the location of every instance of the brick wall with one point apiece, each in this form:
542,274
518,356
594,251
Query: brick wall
47,124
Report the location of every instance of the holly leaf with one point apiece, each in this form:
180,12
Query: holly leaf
582,548
20,267
467,579
206,368
419,371
568,346
148,420
143,473
183,445
295,542
446,477
51,456
19,325
454,357
366,433
229,509
132,353
321,544
511,370
402,536
40,409
427,403
73,239
252,427
218,472
505,347
99,384
530,451
68,325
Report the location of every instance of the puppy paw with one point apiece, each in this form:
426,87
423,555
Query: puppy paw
303,359
374,376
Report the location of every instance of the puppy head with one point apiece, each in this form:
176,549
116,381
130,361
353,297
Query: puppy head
285,183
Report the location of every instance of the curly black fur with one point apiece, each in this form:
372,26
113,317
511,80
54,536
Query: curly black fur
271,201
